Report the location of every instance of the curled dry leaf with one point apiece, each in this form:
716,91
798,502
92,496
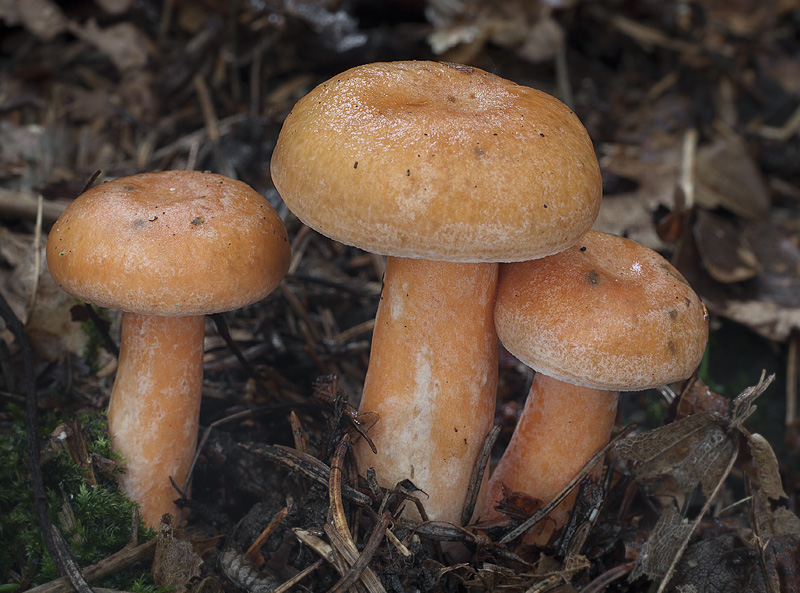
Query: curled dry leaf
766,467
727,177
725,252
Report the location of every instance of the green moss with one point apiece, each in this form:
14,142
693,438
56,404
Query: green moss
94,520
91,351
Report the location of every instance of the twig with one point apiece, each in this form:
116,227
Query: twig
338,530
28,388
308,465
477,473
18,204
253,553
210,119
791,379
298,577
107,566
608,577
365,558
671,570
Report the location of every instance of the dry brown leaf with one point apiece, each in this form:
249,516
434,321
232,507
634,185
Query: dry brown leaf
766,466
725,252
706,442
692,451
43,18
665,541
654,165
175,562
727,177
124,44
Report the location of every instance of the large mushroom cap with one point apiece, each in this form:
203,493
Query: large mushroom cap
607,313
169,244
438,161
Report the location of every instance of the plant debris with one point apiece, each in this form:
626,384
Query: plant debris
694,109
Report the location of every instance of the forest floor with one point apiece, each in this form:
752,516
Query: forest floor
694,110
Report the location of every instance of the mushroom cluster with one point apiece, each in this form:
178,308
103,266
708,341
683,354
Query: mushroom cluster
166,248
446,169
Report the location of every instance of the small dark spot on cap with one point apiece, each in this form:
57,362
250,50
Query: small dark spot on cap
408,172
583,248
593,278
542,135
355,165
198,220
673,314
545,205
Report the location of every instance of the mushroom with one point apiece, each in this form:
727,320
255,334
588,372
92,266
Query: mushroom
166,248
603,316
447,169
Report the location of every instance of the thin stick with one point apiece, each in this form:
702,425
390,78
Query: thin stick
477,473
107,566
791,379
253,553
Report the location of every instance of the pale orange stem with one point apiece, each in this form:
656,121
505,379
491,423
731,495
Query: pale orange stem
155,406
432,378
560,428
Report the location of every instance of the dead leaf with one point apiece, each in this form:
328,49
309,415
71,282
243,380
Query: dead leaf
727,177
664,543
766,466
700,449
43,18
717,564
696,398
725,252
692,451
125,45
175,562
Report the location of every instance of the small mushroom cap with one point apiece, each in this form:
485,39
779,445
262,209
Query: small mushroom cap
607,313
438,161
172,243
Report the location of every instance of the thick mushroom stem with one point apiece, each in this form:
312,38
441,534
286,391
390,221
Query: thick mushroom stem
560,428
432,378
155,407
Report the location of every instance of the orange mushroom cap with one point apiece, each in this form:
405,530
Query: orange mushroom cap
170,244
438,161
607,313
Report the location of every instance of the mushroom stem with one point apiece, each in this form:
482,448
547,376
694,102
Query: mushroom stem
560,428
432,378
155,407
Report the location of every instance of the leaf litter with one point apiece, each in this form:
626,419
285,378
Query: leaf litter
108,87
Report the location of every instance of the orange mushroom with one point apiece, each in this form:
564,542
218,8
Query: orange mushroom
166,248
447,169
603,316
